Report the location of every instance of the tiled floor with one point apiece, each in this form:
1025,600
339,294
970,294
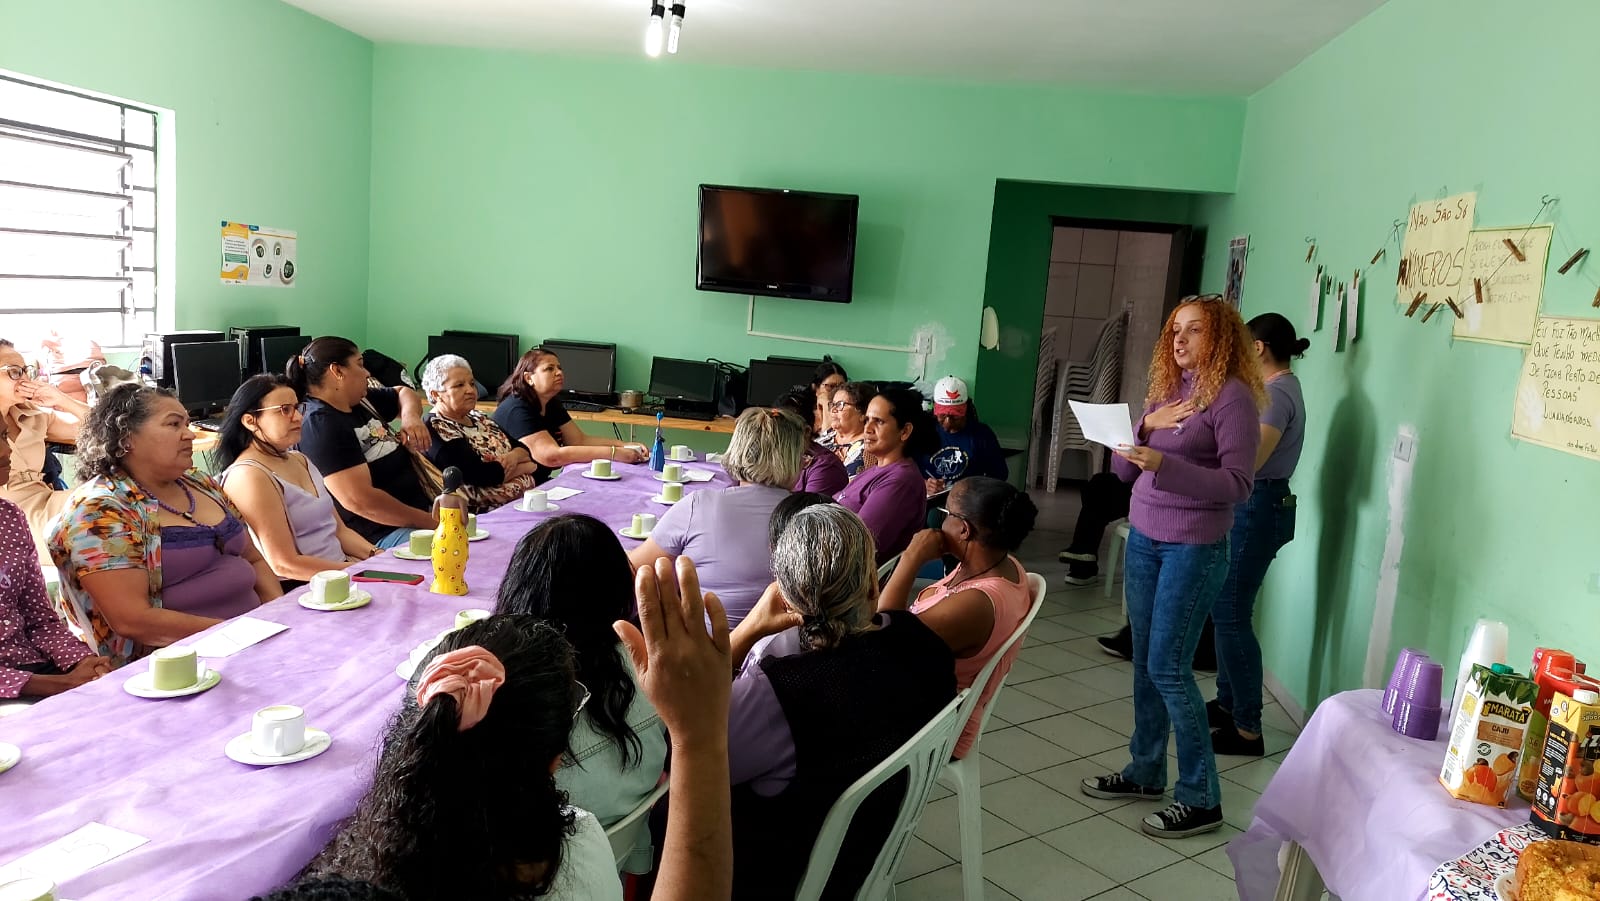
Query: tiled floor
1065,713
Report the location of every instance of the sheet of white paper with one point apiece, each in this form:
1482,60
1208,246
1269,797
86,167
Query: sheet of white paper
73,854
1107,424
698,475
1314,322
236,636
1336,314
1352,309
561,494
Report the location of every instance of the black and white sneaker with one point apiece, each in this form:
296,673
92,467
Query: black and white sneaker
1116,788
1081,573
1068,556
1118,645
1181,821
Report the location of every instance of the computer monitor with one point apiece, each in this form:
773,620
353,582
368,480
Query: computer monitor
589,368
689,381
492,356
769,378
275,351
205,374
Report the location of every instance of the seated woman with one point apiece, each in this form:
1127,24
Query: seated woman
890,495
346,435
281,495
497,470
530,411
464,803
791,715
986,597
724,531
34,413
38,654
848,438
572,573
820,470
826,380
150,551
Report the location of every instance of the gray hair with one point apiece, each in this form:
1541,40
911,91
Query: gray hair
768,448
103,439
433,374
824,564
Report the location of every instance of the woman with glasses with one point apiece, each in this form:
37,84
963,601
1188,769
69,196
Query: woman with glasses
890,495
33,414
1194,459
824,382
280,494
496,469
848,412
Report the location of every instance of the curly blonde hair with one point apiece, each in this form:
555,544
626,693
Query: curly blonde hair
1231,356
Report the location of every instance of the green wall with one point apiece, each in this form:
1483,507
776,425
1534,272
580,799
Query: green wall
272,125
1019,270
556,197
1422,96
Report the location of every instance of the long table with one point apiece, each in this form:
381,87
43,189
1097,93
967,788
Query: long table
220,829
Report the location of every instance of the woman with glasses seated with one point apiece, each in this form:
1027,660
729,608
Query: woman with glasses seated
848,438
280,494
34,413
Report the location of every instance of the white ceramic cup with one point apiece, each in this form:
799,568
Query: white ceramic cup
278,731
331,586
535,499
467,617
672,472
680,452
600,468
644,523
672,491
28,888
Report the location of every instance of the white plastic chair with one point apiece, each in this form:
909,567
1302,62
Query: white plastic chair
961,776
919,758
1115,552
625,833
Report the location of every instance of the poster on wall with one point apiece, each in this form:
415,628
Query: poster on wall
1433,257
256,255
1558,397
1238,254
1511,287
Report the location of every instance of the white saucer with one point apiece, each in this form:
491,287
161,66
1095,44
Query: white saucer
661,500
357,598
408,666
481,534
548,507
610,478
317,741
685,478
139,686
628,532
689,459
9,756
402,553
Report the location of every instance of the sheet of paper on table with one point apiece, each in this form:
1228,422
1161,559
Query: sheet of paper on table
561,494
1107,424
73,854
236,636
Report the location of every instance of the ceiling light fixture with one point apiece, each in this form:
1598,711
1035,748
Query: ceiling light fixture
677,26
654,31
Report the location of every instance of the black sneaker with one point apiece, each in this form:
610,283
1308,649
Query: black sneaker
1119,645
1116,788
1068,556
1227,740
1217,716
1080,573
1182,821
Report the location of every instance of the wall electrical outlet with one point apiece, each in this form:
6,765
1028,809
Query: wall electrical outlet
1404,446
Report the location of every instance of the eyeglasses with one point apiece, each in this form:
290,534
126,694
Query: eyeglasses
285,409
946,513
580,697
838,405
18,373
1201,298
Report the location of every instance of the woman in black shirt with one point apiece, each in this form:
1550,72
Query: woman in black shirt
530,411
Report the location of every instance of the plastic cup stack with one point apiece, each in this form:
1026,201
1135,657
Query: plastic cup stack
1391,694
1417,711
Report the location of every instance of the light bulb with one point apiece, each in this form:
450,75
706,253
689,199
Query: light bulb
653,35
672,34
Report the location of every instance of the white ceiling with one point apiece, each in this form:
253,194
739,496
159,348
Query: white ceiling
1188,46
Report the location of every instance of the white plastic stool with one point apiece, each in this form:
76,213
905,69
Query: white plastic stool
1114,554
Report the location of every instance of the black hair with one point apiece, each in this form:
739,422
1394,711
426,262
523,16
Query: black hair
905,406
798,399
572,572
516,384
234,438
861,393
103,438
1001,513
456,813
333,888
1277,333
787,508
825,369
307,369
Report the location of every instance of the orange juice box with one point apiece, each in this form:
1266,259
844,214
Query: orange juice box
1481,764
1564,805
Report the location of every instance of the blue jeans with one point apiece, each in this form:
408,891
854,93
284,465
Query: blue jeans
1261,525
393,539
1170,588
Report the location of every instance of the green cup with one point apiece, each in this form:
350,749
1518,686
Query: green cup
465,618
422,542
472,524
600,468
174,667
331,586
672,472
672,491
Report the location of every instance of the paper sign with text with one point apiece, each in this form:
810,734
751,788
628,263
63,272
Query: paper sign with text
1435,248
1558,398
1511,287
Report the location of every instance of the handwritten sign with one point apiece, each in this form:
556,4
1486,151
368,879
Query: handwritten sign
1511,287
1558,399
1435,249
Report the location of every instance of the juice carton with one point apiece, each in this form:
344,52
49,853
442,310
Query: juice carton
1481,763
1565,805
1553,671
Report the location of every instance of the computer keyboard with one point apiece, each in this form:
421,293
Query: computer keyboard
583,406
702,415
207,425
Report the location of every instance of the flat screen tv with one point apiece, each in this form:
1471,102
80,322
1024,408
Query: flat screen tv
777,243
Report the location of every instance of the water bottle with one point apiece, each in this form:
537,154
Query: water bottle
658,451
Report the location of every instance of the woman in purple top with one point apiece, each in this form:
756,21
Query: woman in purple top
1261,525
724,531
1194,459
821,470
891,497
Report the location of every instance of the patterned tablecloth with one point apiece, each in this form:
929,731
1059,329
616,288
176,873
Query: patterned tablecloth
1472,876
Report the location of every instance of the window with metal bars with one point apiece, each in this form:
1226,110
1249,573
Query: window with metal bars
77,215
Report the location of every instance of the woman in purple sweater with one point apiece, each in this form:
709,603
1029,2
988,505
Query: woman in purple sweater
1193,461
891,497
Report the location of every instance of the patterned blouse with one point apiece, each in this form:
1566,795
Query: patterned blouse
473,448
109,524
30,631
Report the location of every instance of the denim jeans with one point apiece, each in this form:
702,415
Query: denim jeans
1261,525
1170,588
393,539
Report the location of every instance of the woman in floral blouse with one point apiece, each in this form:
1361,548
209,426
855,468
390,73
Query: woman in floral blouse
497,470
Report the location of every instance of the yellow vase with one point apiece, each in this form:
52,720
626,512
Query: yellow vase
450,553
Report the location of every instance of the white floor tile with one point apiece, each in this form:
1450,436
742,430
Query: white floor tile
1048,631
991,770
941,828
1256,774
1033,871
1238,804
1089,623
1119,894
1109,849
1088,646
1022,672
1217,861
1128,817
1076,734
1067,778
1019,705
1032,806
921,858
1024,751
1112,679
1114,715
1187,880
1065,692
1055,659
943,885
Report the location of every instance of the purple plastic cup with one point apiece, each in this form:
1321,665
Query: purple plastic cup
1416,721
1421,687
1391,694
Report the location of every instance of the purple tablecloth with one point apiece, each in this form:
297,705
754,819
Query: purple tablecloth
1367,806
220,829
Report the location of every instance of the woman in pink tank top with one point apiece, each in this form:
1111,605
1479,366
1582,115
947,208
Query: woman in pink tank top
983,601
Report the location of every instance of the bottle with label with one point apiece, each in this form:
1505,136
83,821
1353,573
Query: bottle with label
658,451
